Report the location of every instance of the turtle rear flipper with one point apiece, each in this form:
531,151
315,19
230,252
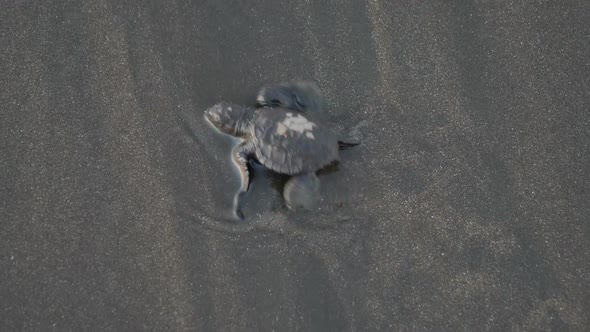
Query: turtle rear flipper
302,192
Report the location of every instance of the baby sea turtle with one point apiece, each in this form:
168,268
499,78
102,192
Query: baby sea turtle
283,140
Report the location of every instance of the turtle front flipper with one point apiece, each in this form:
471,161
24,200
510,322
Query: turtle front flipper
301,96
241,154
302,191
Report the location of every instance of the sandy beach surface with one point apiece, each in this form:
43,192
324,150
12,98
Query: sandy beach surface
466,206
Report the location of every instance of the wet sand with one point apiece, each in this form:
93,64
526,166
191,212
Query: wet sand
465,207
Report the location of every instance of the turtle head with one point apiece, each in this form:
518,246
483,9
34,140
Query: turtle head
228,118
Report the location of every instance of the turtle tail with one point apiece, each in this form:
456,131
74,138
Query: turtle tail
346,145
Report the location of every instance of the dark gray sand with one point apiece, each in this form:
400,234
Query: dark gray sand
465,208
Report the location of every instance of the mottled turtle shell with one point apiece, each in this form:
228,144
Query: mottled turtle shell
291,142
